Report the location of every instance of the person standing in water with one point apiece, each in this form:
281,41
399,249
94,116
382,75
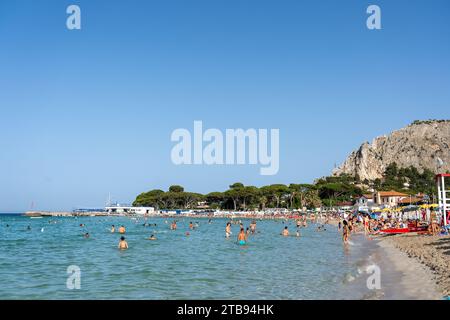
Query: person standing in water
122,230
285,232
345,232
242,237
113,229
228,230
253,227
123,245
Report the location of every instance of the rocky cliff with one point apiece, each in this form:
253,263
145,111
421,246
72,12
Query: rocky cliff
419,145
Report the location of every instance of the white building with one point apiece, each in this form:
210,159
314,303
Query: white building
130,210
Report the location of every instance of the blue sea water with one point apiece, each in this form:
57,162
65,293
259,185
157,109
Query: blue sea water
205,265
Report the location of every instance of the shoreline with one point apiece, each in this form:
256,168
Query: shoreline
428,257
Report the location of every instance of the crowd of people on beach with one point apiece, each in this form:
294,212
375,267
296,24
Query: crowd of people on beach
391,223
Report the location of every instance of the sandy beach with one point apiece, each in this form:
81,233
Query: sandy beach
424,261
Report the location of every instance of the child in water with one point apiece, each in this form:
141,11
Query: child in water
123,245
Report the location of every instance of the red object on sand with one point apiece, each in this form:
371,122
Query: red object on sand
401,230
404,230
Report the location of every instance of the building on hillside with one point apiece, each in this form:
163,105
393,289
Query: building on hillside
389,198
365,200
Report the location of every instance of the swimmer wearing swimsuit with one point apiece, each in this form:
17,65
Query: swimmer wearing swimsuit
242,238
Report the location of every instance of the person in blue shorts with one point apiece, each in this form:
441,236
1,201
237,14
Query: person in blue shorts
242,237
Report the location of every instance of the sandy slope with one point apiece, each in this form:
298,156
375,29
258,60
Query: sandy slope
431,252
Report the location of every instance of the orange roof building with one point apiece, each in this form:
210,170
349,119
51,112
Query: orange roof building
389,198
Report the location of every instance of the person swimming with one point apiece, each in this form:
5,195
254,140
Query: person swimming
152,238
86,235
113,229
122,230
285,232
242,238
123,245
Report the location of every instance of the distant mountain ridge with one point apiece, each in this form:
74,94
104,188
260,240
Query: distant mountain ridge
420,144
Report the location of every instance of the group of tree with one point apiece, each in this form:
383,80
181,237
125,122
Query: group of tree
237,197
409,180
326,191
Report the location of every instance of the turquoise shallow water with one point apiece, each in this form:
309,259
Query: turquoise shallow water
33,264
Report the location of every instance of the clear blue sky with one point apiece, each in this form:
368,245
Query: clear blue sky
88,112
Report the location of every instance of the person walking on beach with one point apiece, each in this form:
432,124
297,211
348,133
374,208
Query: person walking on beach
366,225
123,245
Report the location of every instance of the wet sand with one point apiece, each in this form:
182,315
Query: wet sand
424,262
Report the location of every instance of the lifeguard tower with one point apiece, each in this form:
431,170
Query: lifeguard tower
443,182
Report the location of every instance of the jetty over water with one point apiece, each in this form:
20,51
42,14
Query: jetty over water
63,214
